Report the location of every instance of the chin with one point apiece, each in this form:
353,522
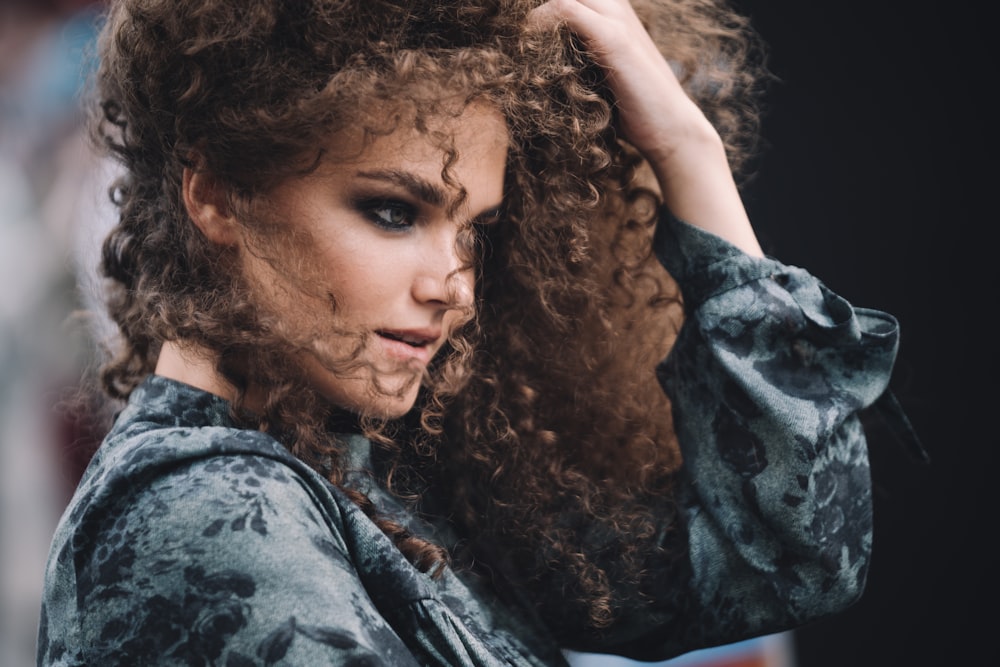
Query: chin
388,407
392,403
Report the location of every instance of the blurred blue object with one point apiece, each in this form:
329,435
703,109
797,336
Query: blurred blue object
768,651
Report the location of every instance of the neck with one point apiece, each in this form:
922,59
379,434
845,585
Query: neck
195,366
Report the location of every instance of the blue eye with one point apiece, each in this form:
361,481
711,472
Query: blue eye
391,215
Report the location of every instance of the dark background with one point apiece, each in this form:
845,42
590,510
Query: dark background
875,176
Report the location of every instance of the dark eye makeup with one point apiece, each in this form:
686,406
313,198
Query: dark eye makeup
389,214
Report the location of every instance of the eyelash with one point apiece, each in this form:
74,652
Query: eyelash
372,208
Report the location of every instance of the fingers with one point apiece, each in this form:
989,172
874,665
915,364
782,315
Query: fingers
557,9
610,29
554,12
656,116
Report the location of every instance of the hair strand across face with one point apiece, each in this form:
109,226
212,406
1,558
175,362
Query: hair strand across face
537,413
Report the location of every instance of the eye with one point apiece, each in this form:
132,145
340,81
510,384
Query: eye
389,214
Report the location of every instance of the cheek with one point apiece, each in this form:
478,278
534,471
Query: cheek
464,286
464,309
300,291
362,279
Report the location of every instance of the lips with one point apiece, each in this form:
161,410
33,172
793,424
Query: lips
409,344
413,338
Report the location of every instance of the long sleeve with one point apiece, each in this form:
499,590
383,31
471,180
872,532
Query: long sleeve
766,380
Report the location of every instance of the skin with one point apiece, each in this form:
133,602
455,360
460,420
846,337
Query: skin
384,240
412,281
658,118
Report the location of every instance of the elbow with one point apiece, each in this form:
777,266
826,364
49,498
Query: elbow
842,532
837,588
838,530
828,583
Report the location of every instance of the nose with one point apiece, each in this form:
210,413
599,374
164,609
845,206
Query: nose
445,276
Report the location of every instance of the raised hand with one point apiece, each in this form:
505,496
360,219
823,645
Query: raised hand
657,117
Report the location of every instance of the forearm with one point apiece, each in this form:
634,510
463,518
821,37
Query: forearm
697,184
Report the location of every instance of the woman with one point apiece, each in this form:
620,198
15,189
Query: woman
392,279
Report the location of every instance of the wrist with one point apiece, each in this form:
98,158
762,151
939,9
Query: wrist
685,148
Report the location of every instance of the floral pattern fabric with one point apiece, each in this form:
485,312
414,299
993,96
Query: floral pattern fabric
192,542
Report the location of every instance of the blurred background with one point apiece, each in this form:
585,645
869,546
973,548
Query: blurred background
873,175
48,200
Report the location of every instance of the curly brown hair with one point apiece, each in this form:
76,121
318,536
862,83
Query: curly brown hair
540,429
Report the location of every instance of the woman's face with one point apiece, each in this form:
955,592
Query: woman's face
388,276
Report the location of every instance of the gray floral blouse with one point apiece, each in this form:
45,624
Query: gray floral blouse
192,542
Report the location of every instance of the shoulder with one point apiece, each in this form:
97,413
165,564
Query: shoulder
206,537
199,528
187,483
225,498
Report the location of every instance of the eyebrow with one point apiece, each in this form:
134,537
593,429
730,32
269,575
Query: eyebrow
418,187
424,190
